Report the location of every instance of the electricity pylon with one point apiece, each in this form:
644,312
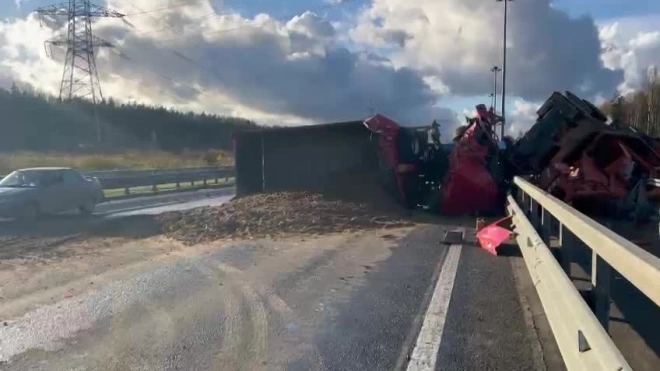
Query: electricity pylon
80,77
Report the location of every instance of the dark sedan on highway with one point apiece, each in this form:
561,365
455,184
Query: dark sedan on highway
28,193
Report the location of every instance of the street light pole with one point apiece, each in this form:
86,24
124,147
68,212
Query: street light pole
504,68
495,70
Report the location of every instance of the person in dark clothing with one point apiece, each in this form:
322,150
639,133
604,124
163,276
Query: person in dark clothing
434,134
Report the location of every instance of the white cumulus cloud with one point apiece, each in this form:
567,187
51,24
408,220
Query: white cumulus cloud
634,53
399,57
460,40
522,118
194,58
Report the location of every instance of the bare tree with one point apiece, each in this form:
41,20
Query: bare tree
640,109
653,101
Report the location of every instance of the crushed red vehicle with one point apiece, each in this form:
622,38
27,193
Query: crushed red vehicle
572,153
476,181
411,160
471,178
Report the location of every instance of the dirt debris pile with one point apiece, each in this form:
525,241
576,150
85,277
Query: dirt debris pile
275,215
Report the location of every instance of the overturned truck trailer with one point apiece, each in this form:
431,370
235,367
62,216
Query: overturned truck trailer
359,160
375,161
302,158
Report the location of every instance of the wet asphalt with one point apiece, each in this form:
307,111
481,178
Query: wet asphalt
346,302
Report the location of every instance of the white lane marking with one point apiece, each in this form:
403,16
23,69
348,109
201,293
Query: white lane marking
428,342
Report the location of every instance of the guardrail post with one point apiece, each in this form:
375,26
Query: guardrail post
567,244
601,278
534,213
546,226
522,200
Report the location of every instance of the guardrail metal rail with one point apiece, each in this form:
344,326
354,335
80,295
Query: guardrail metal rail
580,326
127,179
154,179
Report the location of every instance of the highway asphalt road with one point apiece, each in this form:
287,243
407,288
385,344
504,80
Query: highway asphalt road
151,205
396,299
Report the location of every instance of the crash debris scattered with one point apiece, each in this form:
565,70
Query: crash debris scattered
275,215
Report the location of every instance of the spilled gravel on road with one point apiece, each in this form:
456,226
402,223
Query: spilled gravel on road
275,215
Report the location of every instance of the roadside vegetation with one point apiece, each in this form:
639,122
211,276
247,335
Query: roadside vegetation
131,159
36,122
41,130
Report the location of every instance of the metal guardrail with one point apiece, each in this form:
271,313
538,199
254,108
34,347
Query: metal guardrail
579,325
125,173
142,179
126,179
102,174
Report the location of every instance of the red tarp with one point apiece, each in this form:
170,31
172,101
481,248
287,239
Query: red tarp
493,235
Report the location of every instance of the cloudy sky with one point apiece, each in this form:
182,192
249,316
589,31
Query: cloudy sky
305,61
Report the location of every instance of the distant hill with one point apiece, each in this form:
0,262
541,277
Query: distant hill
36,122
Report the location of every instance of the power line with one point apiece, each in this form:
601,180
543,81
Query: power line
174,84
171,81
198,65
291,15
168,26
191,61
176,52
181,56
185,3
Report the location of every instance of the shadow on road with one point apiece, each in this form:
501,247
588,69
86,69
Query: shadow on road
136,226
380,313
509,249
42,238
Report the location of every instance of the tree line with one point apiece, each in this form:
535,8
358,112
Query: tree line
34,121
640,109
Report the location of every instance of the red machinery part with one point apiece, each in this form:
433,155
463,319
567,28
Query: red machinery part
469,186
602,170
388,133
586,162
